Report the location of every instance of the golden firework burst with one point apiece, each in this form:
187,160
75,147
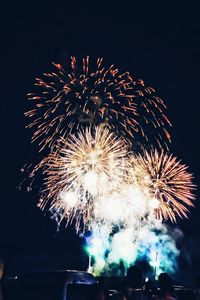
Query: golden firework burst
81,169
169,182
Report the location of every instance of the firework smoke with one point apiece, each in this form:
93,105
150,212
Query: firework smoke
132,217
153,243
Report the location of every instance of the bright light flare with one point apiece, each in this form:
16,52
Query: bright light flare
83,168
69,198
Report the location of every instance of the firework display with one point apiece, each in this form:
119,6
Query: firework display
89,173
77,96
90,120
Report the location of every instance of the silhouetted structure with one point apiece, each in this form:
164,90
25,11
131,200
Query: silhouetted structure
133,284
166,287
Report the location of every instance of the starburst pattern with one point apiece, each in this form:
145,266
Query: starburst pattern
81,169
169,182
76,96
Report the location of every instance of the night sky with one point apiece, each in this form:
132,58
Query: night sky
163,51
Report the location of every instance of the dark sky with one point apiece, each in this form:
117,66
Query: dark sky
163,51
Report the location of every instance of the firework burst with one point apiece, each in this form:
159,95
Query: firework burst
70,98
89,117
168,182
80,170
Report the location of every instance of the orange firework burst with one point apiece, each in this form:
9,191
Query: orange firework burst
169,182
72,97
